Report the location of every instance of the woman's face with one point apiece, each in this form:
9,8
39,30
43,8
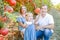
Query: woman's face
23,10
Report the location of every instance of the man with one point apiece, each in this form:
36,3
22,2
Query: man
45,24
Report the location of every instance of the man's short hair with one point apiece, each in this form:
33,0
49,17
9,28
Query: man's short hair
44,5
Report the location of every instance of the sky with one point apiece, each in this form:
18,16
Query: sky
55,2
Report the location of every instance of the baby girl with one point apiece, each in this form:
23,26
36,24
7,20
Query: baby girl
29,33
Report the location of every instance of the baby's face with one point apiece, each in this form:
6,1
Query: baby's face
29,17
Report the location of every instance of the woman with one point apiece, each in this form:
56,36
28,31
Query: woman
21,20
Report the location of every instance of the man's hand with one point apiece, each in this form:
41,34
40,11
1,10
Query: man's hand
39,27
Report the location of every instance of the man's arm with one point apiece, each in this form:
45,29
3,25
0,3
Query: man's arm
50,26
50,23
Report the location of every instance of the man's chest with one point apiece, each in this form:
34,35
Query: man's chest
43,21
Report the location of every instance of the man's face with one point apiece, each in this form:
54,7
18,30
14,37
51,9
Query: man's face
44,10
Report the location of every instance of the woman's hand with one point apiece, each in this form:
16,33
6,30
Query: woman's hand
25,25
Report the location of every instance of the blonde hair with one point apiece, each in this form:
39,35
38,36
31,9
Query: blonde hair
29,16
28,13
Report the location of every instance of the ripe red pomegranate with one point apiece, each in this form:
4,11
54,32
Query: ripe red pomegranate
37,10
12,2
4,32
8,8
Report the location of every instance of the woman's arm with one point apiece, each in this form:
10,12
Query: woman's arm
23,25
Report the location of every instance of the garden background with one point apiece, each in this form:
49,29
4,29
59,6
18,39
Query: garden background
31,5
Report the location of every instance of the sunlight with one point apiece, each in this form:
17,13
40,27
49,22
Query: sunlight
55,2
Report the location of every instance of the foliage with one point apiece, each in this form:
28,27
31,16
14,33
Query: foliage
11,16
57,6
1,7
38,3
48,3
1,24
30,5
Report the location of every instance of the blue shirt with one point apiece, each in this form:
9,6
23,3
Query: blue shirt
21,19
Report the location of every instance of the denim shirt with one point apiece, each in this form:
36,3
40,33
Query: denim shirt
21,19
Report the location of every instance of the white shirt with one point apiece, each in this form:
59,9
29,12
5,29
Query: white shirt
48,19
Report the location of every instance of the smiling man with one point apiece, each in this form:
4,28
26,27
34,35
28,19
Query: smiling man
45,24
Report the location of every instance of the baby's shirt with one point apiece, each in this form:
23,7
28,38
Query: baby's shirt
29,23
